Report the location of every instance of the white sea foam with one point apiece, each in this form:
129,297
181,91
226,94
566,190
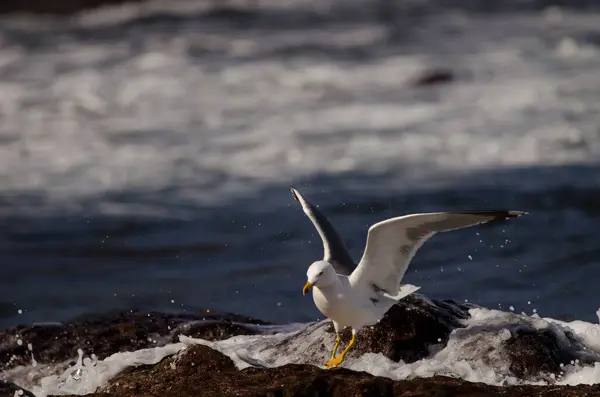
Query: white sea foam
103,118
88,373
473,353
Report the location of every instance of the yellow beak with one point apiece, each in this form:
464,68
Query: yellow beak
307,286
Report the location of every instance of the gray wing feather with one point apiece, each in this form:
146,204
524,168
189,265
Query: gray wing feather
334,249
391,244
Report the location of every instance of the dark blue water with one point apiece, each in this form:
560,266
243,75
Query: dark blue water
250,255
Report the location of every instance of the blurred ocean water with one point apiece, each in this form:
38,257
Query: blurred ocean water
146,153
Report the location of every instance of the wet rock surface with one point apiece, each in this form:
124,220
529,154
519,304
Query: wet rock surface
201,371
413,327
434,76
409,328
109,334
534,353
410,331
9,389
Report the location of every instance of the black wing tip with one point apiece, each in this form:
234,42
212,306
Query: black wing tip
498,214
295,193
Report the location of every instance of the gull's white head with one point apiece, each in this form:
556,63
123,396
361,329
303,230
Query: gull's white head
319,274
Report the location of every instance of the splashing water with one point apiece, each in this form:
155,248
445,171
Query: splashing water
88,374
473,353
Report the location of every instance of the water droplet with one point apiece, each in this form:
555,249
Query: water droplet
77,374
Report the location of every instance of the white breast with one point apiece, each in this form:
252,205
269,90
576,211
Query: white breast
325,302
338,304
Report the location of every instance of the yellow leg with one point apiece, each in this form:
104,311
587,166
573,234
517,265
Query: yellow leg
334,362
335,347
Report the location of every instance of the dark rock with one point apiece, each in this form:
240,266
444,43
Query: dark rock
8,389
415,325
409,328
412,330
432,77
123,331
534,352
55,7
201,371
213,330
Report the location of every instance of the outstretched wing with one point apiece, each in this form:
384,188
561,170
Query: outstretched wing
334,249
391,244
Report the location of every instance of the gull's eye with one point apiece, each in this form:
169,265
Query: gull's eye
320,274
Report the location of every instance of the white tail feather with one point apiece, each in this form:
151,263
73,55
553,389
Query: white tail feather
405,290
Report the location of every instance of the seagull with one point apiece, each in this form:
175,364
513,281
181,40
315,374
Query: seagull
358,295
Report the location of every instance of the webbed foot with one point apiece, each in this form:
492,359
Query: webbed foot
334,362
